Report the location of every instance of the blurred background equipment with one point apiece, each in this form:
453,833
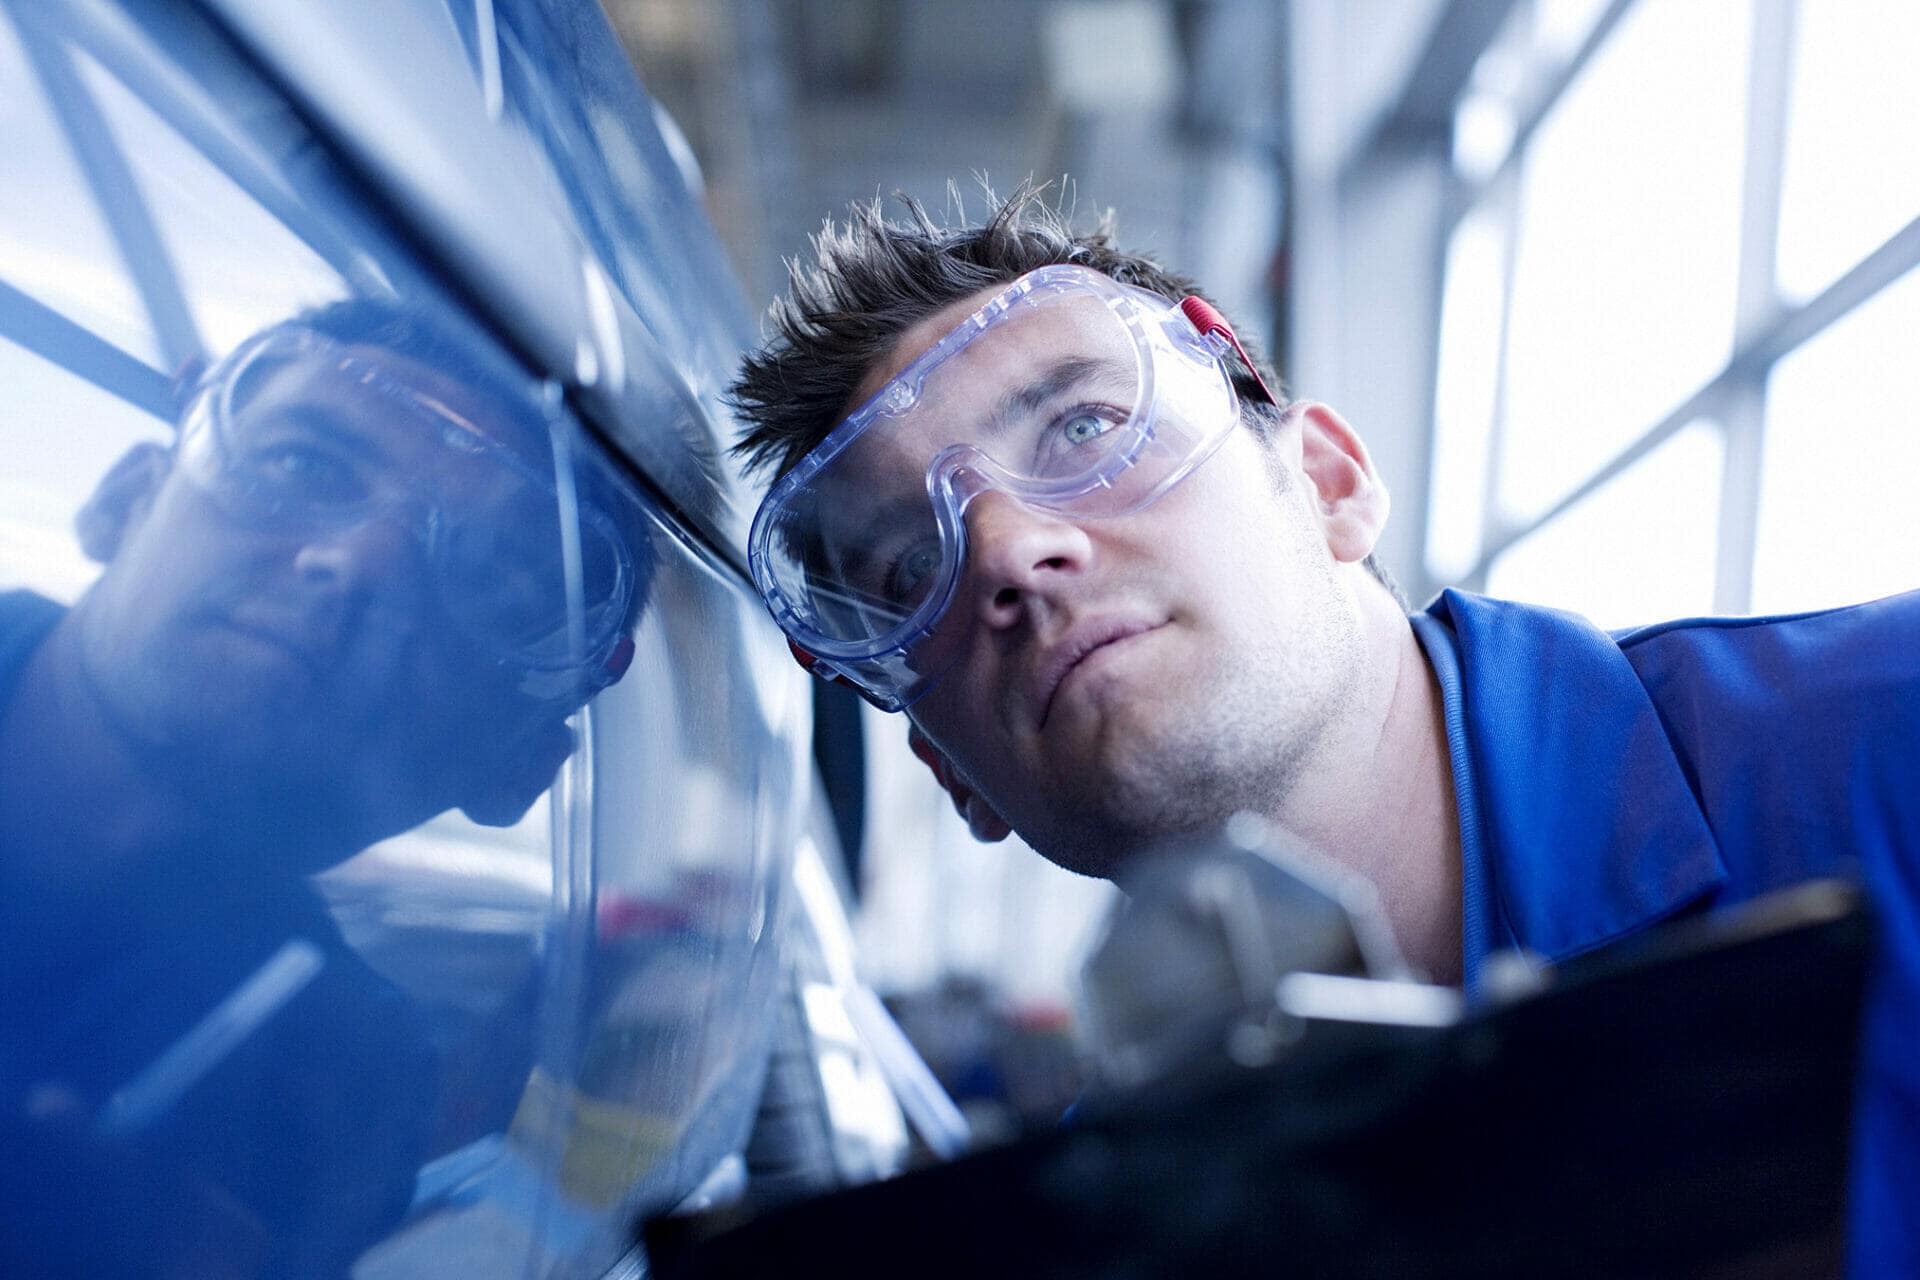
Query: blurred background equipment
1190,967
1706,1066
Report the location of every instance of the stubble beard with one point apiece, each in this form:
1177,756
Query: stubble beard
1241,742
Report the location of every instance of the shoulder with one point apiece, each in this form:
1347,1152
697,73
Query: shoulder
25,619
1888,617
1810,721
1864,658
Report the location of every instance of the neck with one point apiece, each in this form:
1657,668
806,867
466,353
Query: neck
1378,795
83,807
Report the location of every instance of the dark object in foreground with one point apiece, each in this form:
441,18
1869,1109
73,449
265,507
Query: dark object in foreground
1676,1106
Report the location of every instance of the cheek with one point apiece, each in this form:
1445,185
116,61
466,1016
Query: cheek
447,682
1219,543
939,716
961,729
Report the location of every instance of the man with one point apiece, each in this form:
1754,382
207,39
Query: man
335,607
1016,502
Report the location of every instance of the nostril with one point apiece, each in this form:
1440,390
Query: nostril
1006,597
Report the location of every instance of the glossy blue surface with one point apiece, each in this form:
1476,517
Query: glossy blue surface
396,793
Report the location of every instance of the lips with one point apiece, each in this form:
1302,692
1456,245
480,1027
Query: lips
296,644
1076,646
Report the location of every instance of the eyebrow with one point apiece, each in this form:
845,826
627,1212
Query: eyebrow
1062,374
328,425
368,432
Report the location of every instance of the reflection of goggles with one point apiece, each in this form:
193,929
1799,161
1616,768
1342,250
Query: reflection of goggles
1067,391
297,433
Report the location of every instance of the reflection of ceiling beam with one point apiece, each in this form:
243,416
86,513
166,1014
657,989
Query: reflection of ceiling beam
111,181
40,329
176,92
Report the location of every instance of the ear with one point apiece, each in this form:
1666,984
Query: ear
982,819
120,499
521,771
1348,493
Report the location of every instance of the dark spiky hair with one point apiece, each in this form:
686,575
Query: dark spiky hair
873,279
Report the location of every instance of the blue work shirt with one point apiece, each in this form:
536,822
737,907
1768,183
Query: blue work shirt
1606,782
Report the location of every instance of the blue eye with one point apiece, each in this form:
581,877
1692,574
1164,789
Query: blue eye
912,570
1078,428
292,472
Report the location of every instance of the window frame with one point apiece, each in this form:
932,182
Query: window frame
1768,324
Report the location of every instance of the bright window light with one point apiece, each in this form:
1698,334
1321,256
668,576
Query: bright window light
239,268
1560,26
1464,395
1852,166
1839,463
58,248
1628,250
1638,549
1483,129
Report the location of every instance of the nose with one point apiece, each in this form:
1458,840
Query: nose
374,552
1019,557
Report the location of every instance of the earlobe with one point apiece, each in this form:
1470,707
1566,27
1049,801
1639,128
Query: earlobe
982,819
120,499
1349,496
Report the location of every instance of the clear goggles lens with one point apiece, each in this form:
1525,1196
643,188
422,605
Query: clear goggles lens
1066,391
299,435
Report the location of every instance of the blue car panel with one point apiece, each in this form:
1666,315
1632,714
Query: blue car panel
399,781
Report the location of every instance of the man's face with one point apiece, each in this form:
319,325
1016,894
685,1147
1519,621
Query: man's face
316,659
1131,677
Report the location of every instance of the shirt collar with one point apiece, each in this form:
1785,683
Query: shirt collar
1578,825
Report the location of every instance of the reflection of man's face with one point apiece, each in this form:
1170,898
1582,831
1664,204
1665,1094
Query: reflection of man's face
276,619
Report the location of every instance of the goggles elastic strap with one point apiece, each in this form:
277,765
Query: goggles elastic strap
811,665
1204,317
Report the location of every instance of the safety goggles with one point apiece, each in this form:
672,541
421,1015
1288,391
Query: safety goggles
1067,391
296,434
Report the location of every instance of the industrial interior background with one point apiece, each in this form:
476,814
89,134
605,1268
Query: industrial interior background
1620,293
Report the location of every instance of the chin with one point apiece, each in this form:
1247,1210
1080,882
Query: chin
1166,779
1085,856
1094,831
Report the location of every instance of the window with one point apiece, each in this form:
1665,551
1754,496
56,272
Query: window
1662,531
1850,179
1471,324
1628,246
1841,461
381,977
1709,274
